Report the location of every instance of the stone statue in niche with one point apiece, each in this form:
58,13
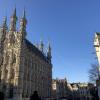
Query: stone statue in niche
11,39
6,59
1,60
13,59
6,74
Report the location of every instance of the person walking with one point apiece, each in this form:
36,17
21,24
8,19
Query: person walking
34,96
1,96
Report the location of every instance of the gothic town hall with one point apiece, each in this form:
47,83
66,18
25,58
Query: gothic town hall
24,67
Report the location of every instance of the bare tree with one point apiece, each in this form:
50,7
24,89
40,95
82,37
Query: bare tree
94,73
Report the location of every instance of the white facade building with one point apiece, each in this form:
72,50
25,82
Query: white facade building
97,48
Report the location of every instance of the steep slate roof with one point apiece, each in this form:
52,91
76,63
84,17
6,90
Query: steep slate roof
35,50
97,33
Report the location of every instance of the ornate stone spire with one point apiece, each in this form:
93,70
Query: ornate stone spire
23,22
13,20
49,52
41,46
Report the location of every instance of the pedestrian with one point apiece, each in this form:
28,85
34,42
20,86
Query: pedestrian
1,96
34,96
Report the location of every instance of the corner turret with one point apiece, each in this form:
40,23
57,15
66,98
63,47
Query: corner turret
23,23
13,21
49,52
41,46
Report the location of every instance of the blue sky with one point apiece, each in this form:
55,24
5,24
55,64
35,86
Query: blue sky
68,24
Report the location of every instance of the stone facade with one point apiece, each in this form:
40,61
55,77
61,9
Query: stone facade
81,91
24,68
61,89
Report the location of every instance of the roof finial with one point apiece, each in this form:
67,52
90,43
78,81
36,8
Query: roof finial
49,52
23,23
41,45
24,13
14,12
24,17
49,46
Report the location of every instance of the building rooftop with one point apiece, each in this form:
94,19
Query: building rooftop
36,51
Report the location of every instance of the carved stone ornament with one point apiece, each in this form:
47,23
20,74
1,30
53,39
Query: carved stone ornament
12,39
